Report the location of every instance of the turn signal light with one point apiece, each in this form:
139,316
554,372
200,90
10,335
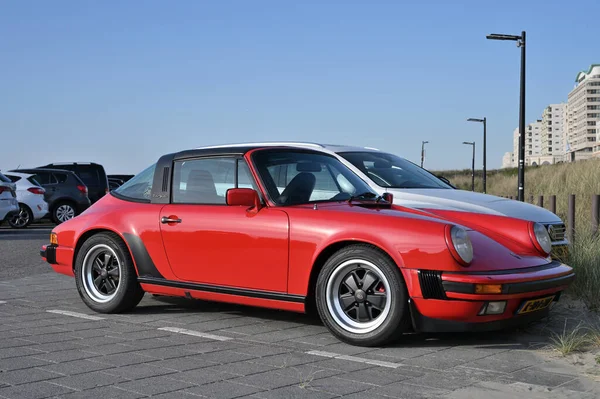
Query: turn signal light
53,239
488,288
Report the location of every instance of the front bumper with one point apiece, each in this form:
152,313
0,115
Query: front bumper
48,253
449,301
422,323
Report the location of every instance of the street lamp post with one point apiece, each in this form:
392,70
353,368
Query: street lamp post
520,43
423,151
484,149
472,164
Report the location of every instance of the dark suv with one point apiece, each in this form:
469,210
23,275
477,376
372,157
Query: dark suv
92,175
66,194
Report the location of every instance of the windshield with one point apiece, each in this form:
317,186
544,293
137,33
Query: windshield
391,171
293,177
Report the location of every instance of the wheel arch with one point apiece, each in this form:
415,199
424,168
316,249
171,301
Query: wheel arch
325,254
92,232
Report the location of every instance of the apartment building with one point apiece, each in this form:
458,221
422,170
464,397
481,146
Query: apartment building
583,116
533,147
551,134
508,160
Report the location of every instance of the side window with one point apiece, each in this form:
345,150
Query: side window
43,178
12,178
203,181
60,177
325,183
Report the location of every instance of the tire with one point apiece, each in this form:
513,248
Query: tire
385,301
22,219
107,284
63,211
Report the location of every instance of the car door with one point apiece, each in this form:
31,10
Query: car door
49,182
210,242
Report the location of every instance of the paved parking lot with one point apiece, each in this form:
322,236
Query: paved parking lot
51,345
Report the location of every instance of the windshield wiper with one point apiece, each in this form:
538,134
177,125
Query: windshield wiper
365,195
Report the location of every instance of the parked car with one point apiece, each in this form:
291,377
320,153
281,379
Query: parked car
66,194
413,186
123,178
9,206
287,228
92,175
113,184
30,195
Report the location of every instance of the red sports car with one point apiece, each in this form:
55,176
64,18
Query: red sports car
289,229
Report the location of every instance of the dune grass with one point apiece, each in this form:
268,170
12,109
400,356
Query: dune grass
579,178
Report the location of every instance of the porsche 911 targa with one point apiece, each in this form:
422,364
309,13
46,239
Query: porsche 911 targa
295,229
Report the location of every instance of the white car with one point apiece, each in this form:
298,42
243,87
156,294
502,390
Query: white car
8,198
30,197
415,187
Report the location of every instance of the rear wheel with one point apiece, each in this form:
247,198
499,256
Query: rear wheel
21,219
63,211
105,276
361,296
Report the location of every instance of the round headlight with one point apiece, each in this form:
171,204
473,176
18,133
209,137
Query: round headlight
462,243
542,237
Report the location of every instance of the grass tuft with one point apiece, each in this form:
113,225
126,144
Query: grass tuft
571,341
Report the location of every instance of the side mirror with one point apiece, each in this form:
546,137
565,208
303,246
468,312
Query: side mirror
243,197
388,197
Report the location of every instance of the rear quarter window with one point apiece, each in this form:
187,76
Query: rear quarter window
139,187
60,177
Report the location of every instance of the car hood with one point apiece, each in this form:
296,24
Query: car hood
467,201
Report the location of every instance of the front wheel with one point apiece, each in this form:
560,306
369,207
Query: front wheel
361,296
105,277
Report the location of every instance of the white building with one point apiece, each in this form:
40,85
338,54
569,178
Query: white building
508,160
551,134
583,120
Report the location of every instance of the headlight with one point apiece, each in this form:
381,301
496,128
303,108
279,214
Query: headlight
461,244
542,237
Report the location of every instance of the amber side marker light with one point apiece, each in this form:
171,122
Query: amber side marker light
488,288
53,239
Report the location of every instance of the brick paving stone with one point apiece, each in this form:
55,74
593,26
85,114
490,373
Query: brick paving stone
24,362
184,363
7,353
106,392
539,377
267,380
339,386
36,390
122,359
288,359
75,367
223,390
407,391
89,380
375,376
154,385
24,376
137,371
243,368
66,356
506,362
201,376
294,392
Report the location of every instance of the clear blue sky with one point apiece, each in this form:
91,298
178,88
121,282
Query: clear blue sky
121,83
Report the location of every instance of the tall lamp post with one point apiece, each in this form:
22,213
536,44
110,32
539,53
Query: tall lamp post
520,43
423,151
472,164
484,149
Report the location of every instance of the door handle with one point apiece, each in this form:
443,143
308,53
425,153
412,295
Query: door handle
166,219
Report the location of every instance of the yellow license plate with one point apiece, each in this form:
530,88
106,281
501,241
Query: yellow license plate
534,305
560,252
